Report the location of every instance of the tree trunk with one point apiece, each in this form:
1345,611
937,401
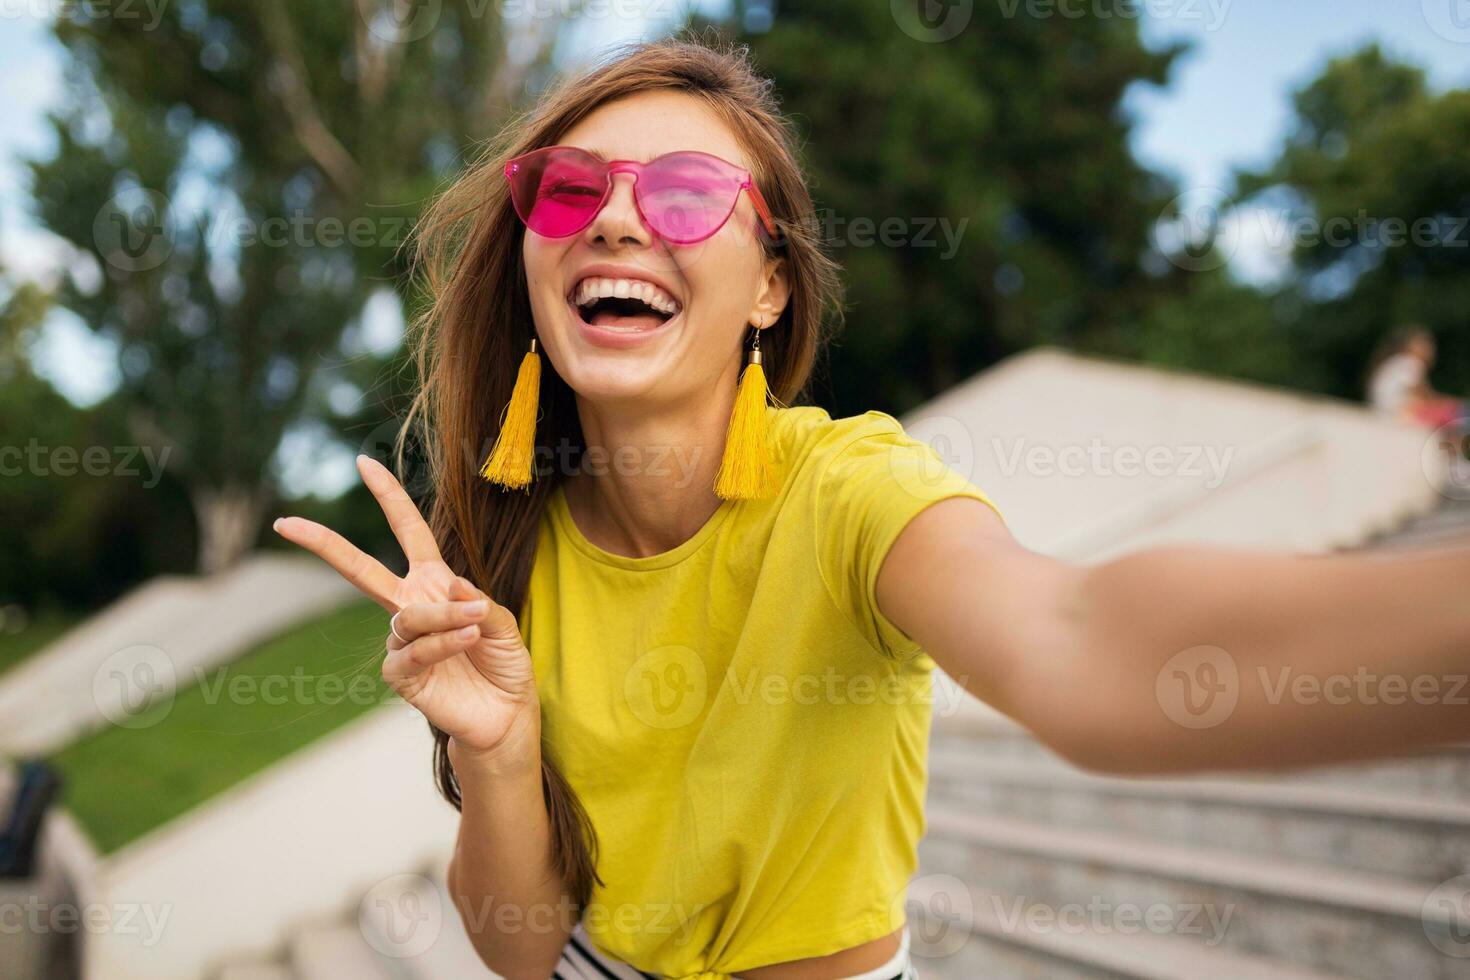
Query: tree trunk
229,518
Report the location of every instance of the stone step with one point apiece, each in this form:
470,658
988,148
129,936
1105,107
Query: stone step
1440,773
255,971
413,923
993,941
1453,513
334,951
1437,534
1356,923
1369,830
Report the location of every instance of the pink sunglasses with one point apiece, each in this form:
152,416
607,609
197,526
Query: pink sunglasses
685,197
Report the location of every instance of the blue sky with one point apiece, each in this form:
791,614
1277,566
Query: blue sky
1228,104
1230,98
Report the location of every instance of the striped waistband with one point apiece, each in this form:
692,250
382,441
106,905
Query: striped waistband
580,960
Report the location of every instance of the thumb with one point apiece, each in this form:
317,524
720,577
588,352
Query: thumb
499,622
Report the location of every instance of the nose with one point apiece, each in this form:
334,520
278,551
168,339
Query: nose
619,223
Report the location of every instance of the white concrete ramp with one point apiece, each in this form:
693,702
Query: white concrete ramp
1088,458
153,641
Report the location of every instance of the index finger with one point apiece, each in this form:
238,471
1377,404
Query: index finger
404,518
350,561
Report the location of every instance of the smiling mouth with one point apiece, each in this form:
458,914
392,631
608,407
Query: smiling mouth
623,305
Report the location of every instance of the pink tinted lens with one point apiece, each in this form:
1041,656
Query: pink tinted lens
686,197
557,191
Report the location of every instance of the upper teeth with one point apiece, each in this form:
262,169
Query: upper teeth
596,288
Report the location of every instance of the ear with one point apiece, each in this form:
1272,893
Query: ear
774,292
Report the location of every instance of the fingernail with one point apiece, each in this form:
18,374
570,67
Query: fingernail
468,633
276,525
476,608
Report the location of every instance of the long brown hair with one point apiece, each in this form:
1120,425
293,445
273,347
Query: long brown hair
477,326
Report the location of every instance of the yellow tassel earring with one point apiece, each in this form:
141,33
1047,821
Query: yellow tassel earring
745,470
509,463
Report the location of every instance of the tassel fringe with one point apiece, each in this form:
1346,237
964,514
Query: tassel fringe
509,463
745,470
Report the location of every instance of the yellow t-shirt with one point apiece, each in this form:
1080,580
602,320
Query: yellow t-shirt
747,731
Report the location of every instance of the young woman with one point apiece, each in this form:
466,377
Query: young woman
678,676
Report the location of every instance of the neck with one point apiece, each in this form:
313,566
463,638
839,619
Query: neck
646,483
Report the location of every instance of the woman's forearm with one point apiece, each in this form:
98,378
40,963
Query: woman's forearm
1210,658
511,898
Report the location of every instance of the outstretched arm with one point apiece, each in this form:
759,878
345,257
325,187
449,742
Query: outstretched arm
1190,658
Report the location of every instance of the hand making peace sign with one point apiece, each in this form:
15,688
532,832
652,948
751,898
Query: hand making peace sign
453,652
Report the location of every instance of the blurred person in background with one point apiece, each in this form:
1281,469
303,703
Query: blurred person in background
581,642
1398,381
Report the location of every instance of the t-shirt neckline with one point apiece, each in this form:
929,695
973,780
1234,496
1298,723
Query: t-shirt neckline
561,516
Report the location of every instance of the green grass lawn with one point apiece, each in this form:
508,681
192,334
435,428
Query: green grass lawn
44,626
236,720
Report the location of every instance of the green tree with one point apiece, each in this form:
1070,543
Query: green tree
1375,175
86,513
998,155
242,175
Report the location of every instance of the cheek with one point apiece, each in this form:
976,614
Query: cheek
721,275
543,264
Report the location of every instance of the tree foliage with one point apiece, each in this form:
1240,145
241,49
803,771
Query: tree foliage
1012,133
1371,192
236,178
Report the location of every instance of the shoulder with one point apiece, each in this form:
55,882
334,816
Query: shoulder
863,468
807,437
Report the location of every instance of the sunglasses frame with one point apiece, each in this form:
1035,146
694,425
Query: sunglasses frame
609,167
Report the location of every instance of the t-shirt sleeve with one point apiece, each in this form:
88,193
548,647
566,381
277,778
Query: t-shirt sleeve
867,490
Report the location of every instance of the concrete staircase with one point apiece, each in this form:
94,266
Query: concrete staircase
1032,868
403,929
